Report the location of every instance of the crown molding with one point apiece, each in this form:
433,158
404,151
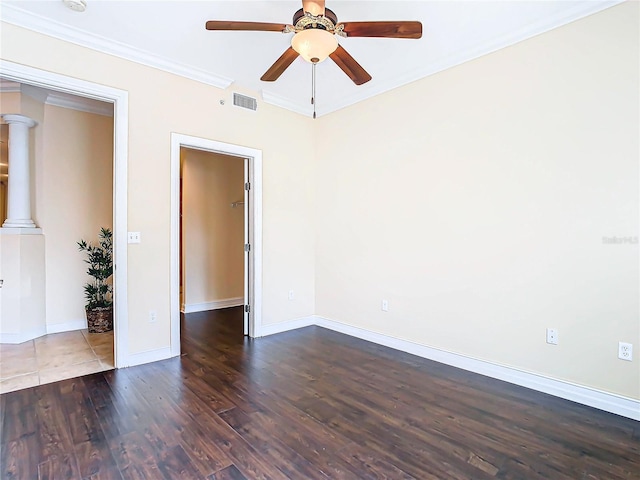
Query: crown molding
66,100
9,86
17,16
81,104
580,10
282,102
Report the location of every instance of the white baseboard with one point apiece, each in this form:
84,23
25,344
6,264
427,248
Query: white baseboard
147,357
67,326
274,328
22,336
609,402
215,305
78,324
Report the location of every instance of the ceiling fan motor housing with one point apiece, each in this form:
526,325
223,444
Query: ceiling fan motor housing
304,21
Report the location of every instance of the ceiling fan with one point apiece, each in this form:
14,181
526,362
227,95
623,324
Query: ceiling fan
315,29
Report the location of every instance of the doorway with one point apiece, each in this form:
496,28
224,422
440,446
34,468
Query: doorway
72,180
119,98
251,161
214,233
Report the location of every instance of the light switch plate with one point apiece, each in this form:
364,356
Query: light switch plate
134,237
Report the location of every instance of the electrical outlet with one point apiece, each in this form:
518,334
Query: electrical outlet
291,295
385,305
552,336
625,351
153,316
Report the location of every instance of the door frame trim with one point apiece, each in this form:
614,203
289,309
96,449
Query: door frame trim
120,100
255,171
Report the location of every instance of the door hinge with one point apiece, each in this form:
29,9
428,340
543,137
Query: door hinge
247,186
247,247
247,308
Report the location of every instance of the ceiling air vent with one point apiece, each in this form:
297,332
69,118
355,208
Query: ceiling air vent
243,101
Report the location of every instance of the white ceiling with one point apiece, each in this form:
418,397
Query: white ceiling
170,35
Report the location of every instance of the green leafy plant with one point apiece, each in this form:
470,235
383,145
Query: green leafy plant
100,259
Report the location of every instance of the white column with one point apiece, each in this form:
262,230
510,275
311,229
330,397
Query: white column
19,195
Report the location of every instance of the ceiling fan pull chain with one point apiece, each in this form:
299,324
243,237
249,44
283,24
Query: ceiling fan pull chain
313,88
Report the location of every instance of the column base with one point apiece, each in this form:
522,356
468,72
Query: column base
10,223
20,231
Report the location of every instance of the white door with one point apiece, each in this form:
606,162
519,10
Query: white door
247,248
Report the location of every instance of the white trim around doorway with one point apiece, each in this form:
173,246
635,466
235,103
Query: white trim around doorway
120,100
255,167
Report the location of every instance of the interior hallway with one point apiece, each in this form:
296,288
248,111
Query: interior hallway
54,357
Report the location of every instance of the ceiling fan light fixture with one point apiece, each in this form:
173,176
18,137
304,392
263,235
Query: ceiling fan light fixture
314,44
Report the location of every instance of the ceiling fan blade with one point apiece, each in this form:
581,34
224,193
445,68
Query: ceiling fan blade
252,26
383,29
314,7
280,65
349,66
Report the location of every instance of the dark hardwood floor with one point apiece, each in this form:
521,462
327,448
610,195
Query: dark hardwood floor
304,404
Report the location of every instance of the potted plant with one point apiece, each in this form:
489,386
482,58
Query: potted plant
98,292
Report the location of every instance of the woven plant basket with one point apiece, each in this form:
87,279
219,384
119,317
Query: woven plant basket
100,319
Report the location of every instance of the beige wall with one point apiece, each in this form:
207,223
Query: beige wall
476,201
161,103
74,201
213,232
10,102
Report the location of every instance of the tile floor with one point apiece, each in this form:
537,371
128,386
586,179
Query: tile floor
54,357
